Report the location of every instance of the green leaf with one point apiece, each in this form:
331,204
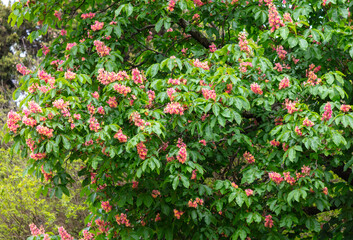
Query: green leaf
185,181
129,9
284,31
117,12
154,69
66,143
232,196
351,52
117,30
292,42
159,25
175,182
312,224
303,44
348,164
215,109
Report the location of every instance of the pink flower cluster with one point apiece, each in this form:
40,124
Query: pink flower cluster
249,157
29,121
203,65
95,95
93,124
193,174
34,107
345,108
45,50
120,136
209,94
102,226
47,176
58,15
198,3
31,144
213,48
100,110
287,17
137,76
281,52
138,121
275,143
88,15
171,5
284,83
91,109
101,48
12,119
170,92
256,88
182,155
105,77
64,235
274,19
328,112
203,142
268,221
106,206
45,131
155,193
312,78
135,184
195,203
142,150
47,78
243,43
229,88
295,60
290,106
298,131
112,102
249,192
173,81
122,89
288,178
178,214
244,66
97,26
70,45
308,123
280,67
151,96
70,75
35,231
174,108
22,69
60,104
276,177
37,156
87,235
122,220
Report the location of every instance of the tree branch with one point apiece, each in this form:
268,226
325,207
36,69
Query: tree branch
198,36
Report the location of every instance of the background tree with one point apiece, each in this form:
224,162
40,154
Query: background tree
194,119
15,47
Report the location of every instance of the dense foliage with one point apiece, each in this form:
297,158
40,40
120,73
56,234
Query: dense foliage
19,205
194,119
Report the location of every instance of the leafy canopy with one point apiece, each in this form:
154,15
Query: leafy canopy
194,119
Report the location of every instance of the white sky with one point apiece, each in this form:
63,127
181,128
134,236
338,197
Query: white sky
5,2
